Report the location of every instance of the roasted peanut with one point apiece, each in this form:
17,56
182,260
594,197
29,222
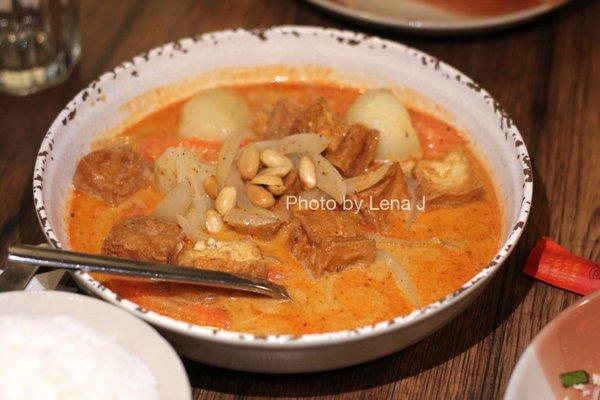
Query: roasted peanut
248,162
308,175
273,158
289,179
226,200
269,180
276,171
260,196
288,182
214,222
277,190
210,186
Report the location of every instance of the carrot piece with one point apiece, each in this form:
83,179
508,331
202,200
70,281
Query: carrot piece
160,297
132,288
210,315
152,147
436,137
207,150
553,264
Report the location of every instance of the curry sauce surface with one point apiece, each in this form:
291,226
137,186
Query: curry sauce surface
351,298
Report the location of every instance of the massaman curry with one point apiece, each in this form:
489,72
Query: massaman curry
365,210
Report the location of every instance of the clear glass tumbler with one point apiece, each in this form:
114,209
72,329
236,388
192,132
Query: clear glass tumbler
39,43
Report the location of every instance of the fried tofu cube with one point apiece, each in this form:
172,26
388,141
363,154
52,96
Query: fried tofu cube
235,256
281,119
318,118
329,241
144,238
356,150
392,187
448,181
112,174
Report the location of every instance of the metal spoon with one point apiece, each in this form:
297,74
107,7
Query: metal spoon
15,276
33,255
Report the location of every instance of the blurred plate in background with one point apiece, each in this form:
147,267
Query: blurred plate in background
440,17
570,342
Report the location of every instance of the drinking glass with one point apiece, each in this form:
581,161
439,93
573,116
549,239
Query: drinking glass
39,43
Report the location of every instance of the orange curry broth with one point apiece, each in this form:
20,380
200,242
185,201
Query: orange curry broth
351,298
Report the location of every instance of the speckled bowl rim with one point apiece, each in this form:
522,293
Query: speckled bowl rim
289,341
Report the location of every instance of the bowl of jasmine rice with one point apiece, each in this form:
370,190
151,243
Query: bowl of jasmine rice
57,345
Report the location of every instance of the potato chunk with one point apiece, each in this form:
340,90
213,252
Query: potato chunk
448,181
213,114
381,110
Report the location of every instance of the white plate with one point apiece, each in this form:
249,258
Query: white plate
132,334
418,16
570,342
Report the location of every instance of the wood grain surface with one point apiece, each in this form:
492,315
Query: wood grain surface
545,74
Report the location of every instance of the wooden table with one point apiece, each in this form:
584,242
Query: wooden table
546,75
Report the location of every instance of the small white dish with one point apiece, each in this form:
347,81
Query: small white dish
134,335
422,17
570,342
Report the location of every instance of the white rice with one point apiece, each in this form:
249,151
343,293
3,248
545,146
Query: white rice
52,358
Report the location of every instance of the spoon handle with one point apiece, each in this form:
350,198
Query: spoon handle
15,276
54,258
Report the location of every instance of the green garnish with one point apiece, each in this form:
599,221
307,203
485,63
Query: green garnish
569,379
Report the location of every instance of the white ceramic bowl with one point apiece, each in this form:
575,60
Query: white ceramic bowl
133,335
177,69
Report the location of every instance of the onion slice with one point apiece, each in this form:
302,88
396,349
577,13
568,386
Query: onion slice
262,145
329,179
297,143
177,201
201,200
379,239
196,216
226,156
234,179
303,143
177,171
190,231
314,194
366,180
173,167
401,276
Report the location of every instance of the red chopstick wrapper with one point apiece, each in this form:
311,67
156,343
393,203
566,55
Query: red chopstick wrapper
555,265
